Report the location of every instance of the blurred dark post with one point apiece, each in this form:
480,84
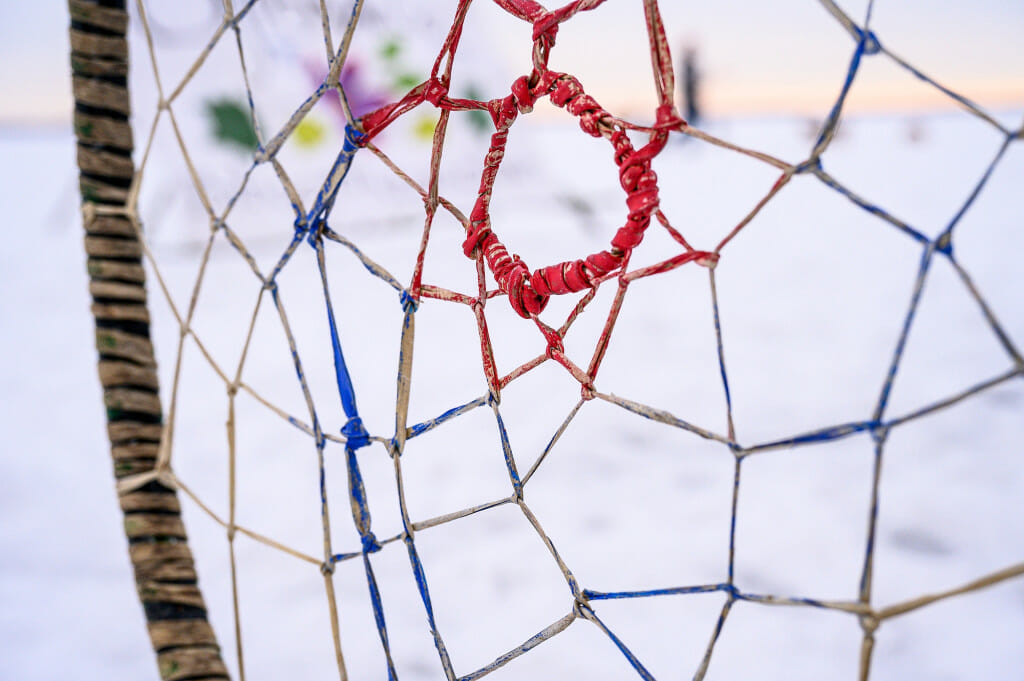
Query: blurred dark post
690,84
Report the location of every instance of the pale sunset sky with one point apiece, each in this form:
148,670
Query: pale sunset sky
775,56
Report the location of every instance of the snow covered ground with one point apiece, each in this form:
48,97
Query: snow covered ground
812,296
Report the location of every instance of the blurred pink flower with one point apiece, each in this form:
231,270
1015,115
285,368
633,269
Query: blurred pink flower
362,97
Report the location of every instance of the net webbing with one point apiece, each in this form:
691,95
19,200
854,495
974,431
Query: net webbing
527,291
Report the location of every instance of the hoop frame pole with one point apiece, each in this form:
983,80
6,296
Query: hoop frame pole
165,574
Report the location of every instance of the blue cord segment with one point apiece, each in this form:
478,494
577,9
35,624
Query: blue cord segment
872,208
869,40
809,166
732,518
355,433
409,304
633,660
357,494
822,435
833,116
944,245
883,399
329,191
673,591
378,616
421,428
721,351
510,462
353,429
341,557
345,388
869,549
421,586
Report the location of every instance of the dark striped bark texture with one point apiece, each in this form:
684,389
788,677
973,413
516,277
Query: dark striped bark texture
164,570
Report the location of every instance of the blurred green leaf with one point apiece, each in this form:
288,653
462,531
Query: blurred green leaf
232,123
406,81
480,121
391,49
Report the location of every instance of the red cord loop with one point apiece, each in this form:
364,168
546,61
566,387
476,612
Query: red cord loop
523,94
479,229
554,341
434,91
668,119
512,274
568,93
528,292
546,27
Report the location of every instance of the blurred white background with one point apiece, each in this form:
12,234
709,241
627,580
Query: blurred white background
796,328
